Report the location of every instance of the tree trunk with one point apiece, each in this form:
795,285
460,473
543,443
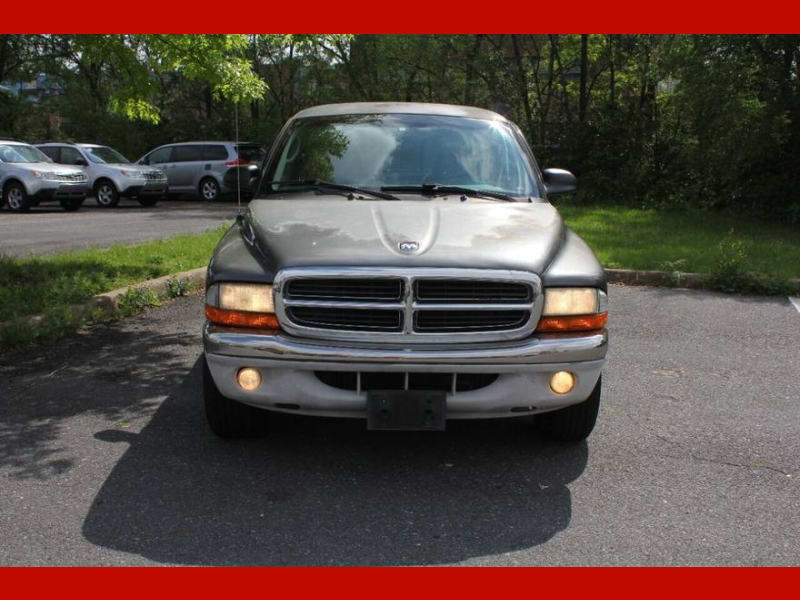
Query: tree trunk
583,100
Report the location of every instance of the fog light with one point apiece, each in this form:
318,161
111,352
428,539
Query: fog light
562,382
248,379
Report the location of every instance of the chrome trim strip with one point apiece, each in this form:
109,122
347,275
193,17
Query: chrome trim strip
409,305
550,348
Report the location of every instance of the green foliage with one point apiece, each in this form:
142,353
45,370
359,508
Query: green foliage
652,239
730,272
654,121
52,285
136,299
675,269
217,60
177,287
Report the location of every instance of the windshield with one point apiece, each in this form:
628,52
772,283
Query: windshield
22,153
104,154
374,151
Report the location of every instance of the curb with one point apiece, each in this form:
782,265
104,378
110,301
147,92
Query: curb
695,281
108,302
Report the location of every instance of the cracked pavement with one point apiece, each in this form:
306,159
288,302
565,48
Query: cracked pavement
105,458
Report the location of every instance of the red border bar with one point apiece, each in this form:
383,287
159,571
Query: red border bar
413,16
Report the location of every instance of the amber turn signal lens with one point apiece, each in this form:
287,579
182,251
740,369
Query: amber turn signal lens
240,318
574,323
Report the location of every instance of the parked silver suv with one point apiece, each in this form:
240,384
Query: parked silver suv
28,177
199,167
111,175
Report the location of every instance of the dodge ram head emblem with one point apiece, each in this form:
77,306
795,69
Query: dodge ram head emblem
408,247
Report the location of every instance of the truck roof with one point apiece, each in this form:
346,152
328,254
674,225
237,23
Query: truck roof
416,108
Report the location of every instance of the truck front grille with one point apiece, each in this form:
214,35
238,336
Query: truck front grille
460,320
425,305
341,288
470,290
347,318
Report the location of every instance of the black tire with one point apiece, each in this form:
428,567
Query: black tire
16,197
228,418
209,189
148,200
106,194
573,423
71,204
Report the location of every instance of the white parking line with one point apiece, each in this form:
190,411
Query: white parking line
795,302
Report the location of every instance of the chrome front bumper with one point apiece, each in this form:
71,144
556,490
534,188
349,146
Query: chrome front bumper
287,366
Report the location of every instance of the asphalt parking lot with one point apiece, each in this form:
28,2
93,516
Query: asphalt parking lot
48,228
105,458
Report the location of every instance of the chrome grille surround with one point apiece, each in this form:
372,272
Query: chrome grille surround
409,306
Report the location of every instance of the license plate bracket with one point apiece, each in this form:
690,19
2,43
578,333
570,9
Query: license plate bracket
406,410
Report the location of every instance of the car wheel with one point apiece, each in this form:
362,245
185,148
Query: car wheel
106,194
16,197
228,418
71,204
148,201
209,189
573,423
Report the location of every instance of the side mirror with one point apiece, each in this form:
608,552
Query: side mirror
245,178
559,181
81,163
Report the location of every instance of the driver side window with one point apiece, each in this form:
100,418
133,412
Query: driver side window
160,156
71,156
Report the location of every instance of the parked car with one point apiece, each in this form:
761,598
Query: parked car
111,175
200,167
402,264
28,178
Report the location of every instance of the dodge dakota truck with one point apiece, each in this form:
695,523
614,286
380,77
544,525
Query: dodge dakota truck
401,263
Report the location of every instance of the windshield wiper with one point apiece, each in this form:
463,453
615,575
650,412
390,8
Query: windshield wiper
339,187
435,188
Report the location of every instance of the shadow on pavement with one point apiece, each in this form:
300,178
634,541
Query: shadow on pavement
319,491
116,373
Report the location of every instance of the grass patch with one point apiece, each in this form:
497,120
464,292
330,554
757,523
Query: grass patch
687,241
50,285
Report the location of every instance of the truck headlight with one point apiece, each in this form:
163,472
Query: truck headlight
241,305
573,309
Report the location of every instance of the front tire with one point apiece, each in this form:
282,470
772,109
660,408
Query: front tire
228,418
16,197
106,194
573,423
209,189
71,204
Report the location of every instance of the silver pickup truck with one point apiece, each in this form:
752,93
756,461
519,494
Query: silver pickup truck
401,263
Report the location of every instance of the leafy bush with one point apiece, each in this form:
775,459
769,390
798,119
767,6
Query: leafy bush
177,287
729,274
135,300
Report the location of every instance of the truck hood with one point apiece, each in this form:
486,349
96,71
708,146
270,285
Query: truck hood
334,231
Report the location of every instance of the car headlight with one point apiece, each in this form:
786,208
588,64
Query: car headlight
42,174
241,305
573,309
130,173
